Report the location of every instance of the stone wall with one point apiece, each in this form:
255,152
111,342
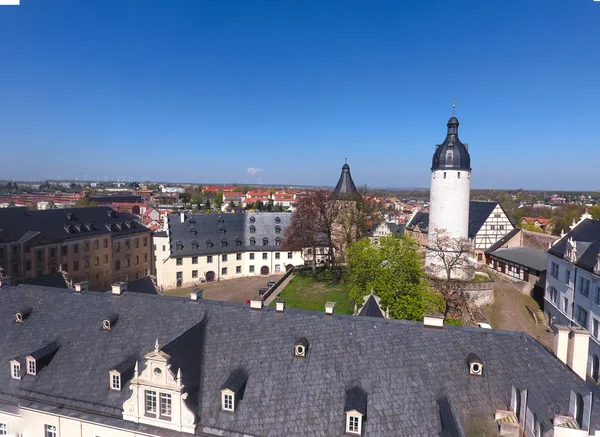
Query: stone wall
480,293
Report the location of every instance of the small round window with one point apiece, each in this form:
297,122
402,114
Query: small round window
157,371
299,350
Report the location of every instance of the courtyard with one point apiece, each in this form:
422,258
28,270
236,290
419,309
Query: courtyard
231,290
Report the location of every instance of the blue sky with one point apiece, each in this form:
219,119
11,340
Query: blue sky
200,91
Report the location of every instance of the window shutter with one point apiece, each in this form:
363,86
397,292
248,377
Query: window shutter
587,410
573,403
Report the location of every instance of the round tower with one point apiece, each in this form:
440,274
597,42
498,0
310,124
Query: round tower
449,195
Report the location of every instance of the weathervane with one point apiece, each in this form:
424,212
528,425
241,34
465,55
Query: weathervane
453,105
346,158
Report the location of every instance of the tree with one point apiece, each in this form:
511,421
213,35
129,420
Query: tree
231,205
594,211
391,268
450,255
328,211
219,198
51,205
302,232
530,227
454,295
85,202
11,204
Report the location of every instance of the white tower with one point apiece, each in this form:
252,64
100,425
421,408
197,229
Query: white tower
449,195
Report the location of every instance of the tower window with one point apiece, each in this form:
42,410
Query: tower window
444,175
459,175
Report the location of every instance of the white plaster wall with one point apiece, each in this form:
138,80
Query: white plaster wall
565,290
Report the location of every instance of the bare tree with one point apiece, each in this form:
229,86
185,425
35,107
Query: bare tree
450,255
302,231
454,294
328,212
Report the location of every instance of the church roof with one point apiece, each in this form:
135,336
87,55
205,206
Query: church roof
451,154
345,188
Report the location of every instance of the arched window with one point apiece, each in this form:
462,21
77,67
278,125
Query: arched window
265,241
252,229
252,241
579,410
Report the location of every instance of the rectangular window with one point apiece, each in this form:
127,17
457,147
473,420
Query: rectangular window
127,245
115,382
567,276
40,272
277,268
150,401
277,255
179,276
265,255
145,241
238,256
194,273
105,244
179,261
209,259
15,371
86,263
566,305
127,262
238,269
251,269
105,259
554,270
459,175
194,260
64,250
31,367
501,227
52,252
251,256
39,254
224,271
76,248
165,404
584,286
228,402
493,227
96,261
582,317
353,424
3,429
86,246
137,260
117,265
96,244
50,431
145,257
289,255
595,328
137,243
27,266
224,258
117,247
75,265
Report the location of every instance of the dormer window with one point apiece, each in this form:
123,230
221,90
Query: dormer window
238,243
277,229
252,219
209,244
23,314
356,410
277,241
277,220
252,241
223,243
227,401
194,244
115,381
265,241
301,347
31,367
15,369
109,322
475,364
222,231
252,229
179,245
192,221
220,220
193,232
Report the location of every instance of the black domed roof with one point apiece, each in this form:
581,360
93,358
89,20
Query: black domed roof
451,154
345,188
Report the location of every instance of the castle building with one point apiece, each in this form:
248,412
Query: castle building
449,193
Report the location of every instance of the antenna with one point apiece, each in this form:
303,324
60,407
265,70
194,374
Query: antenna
453,105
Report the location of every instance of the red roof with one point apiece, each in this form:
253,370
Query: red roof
541,221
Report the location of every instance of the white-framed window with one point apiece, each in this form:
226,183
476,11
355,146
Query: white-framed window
3,429
554,269
227,401
553,294
353,423
165,404
15,370
584,286
582,316
31,367
115,381
50,431
150,396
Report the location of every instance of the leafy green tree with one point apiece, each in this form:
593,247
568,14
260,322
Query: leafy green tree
594,211
85,202
51,204
530,227
232,205
11,204
391,268
219,198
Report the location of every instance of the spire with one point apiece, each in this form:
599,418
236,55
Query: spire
156,347
345,188
453,105
135,370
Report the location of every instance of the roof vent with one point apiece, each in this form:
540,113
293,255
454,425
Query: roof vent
433,320
475,364
300,347
256,303
280,305
71,216
329,306
196,294
111,213
109,321
20,316
82,286
119,287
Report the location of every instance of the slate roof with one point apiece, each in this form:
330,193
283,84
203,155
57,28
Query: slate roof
502,241
451,154
228,228
479,211
587,236
525,256
345,188
403,368
56,280
50,224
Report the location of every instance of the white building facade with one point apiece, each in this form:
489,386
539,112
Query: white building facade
572,294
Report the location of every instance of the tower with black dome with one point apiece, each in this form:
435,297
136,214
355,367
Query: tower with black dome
450,191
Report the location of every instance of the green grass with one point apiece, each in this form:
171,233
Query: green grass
306,293
480,278
456,322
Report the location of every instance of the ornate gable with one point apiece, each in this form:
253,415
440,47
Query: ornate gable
159,396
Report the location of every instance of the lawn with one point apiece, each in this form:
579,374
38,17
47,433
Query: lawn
304,292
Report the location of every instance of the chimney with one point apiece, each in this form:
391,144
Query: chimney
4,280
256,303
433,320
119,287
579,340
329,306
280,305
182,216
561,342
196,294
82,286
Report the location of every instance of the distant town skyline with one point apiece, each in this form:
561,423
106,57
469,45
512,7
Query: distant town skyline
282,92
